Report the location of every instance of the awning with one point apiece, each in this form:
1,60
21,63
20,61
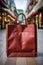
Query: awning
34,13
36,8
9,11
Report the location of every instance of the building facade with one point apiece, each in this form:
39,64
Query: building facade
8,12
35,12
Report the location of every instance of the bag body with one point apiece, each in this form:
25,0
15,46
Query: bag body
21,40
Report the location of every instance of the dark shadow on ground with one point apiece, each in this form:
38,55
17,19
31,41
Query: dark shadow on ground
40,54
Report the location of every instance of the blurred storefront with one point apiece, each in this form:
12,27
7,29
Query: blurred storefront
39,18
35,12
8,13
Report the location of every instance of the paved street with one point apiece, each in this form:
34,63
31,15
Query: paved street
21,60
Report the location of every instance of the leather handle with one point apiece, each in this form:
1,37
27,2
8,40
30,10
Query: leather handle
23,15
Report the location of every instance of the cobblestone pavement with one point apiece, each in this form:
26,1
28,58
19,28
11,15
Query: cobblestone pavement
21,60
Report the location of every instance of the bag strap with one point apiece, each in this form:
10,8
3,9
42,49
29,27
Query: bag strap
24,17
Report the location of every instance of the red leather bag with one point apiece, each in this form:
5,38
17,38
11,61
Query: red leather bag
21,40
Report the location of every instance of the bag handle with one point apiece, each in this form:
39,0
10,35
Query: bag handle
24,17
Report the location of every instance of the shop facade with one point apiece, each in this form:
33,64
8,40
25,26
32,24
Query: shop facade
7,14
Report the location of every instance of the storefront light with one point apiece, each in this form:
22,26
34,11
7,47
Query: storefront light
0,17
5,19
40,14
12,18
8,15
2,13
36,15
40,18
